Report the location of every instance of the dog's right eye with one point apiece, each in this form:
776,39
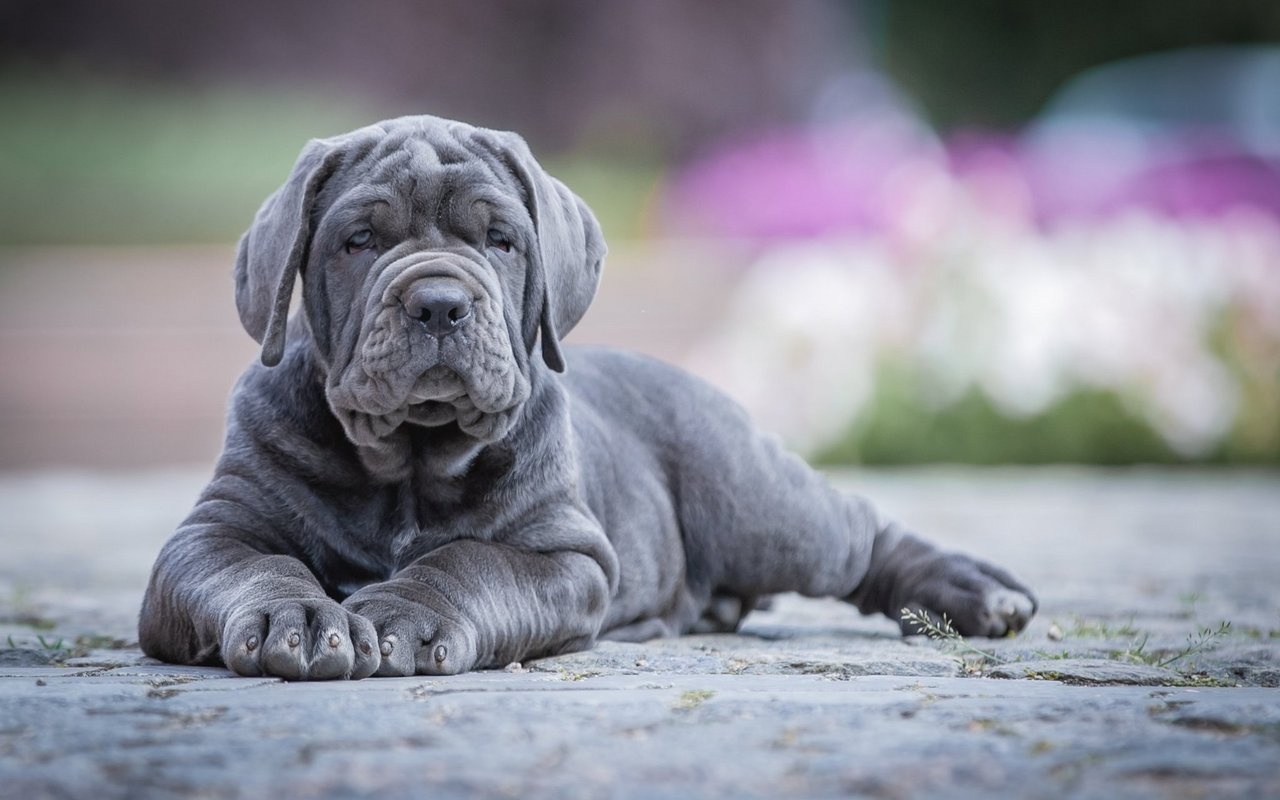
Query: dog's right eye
498,239
362,240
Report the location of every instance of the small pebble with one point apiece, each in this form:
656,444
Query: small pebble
514,667
1055,633
40,682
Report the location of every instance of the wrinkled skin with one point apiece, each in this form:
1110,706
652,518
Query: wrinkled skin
394,500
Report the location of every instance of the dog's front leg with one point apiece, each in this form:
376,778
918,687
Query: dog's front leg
218,593
473,604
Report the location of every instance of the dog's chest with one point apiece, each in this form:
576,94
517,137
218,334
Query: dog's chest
446,497
397,542
436,510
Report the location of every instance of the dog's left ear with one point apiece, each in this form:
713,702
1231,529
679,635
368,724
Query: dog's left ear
274,248
565,265
277,243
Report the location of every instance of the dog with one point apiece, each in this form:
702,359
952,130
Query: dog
419,479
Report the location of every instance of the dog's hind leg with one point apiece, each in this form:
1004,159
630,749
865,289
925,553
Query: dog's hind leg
758,520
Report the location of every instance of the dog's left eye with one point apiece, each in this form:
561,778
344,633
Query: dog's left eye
362,240
496,238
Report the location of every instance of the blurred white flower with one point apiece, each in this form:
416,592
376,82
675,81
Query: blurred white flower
1127,304
802,335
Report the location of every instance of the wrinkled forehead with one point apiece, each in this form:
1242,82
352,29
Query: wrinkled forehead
424,174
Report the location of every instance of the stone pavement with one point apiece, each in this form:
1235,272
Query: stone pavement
1104,696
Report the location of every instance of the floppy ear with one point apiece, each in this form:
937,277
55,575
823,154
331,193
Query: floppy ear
565,265
275,248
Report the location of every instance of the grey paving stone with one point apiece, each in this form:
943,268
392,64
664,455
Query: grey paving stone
124,657
746,654
43,672
23,657
1087,670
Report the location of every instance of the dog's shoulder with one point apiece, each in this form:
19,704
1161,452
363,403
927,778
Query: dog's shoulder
287,399
638,389
603,371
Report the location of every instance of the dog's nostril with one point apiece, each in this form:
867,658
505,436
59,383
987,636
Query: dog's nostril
441,309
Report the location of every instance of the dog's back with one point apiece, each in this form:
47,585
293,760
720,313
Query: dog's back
688,489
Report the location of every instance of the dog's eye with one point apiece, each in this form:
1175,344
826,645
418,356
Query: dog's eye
362,240
498,239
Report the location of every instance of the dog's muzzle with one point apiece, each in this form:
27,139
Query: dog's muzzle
435,349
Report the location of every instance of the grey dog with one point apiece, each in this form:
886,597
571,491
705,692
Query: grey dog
406,488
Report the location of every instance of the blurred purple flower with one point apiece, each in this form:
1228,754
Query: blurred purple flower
847,179
1199,187
795,183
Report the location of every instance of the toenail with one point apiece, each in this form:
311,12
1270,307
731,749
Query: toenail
251,644
441,653
365,648
388,644
294,639
334,640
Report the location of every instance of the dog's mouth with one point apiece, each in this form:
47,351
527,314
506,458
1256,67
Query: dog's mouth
441,395
431,413
436,397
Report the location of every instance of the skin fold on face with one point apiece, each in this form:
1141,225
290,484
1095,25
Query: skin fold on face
407,225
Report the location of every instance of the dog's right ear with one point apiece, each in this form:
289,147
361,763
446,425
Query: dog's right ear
275,248
564,268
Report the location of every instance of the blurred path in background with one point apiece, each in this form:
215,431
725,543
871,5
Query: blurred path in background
124,357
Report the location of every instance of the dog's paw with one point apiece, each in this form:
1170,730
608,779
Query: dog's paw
413,637
977,598
299,639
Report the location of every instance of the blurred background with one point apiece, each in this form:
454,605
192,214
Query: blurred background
899,232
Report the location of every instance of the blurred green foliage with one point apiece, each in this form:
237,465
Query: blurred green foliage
900,426
107,163
129,163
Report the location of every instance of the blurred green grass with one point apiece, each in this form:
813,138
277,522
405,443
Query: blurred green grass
110,163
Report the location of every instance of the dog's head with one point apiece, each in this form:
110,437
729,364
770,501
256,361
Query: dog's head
434,255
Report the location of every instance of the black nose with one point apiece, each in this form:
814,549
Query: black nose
441,309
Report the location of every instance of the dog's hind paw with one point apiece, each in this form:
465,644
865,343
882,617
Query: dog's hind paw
978,599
